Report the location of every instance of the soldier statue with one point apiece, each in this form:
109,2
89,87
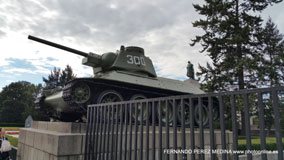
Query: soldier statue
190,70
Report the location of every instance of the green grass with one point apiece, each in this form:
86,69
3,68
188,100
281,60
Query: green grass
255,143
13,140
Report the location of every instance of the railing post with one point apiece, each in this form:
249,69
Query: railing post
222,125
153,130
147,130
201,131
126,116
141,130
211,128
247,124
160,131
234,125
261,125
183,134
275,106
167,128
192,134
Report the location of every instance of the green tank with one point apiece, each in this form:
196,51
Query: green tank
118,76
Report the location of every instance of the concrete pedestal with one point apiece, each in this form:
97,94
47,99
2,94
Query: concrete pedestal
52,141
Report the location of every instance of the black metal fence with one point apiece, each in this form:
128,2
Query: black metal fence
206,126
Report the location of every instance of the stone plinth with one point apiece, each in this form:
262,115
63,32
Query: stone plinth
52,141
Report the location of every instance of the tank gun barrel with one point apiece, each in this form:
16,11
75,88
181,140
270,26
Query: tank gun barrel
58,46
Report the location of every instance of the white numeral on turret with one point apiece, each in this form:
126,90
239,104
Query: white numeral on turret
135,60
130,59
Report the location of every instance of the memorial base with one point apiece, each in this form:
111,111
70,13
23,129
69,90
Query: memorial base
52,141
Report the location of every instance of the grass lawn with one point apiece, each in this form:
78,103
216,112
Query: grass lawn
13,140
271,143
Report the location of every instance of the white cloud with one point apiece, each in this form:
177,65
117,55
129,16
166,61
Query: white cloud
4,62
162,27
18,71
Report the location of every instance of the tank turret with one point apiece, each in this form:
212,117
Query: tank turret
129,59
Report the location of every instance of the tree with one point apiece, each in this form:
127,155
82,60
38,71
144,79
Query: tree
53,79
58,77
67,75
232,38
17,102
271,69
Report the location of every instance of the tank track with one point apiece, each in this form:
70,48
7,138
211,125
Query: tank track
67,93
99,86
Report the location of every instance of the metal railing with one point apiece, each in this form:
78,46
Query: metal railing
192,127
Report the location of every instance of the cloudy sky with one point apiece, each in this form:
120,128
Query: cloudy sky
162,27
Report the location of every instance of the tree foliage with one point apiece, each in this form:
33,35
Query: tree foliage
271,69
59,77
17,102
232,39
17,99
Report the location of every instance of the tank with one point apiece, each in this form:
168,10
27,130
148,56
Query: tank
126,74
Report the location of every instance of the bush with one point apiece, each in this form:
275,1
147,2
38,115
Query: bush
3,124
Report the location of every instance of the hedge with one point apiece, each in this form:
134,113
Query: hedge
3,124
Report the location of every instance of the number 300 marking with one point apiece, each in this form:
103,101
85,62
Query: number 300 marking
135,60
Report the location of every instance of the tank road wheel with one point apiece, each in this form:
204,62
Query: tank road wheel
140,107
204,112
166,106
110,96
186,114
81,93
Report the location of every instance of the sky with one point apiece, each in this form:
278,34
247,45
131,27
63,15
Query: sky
162,27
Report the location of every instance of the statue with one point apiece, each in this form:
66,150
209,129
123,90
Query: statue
190,70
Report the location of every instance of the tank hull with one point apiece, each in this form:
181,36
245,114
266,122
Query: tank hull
120,86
